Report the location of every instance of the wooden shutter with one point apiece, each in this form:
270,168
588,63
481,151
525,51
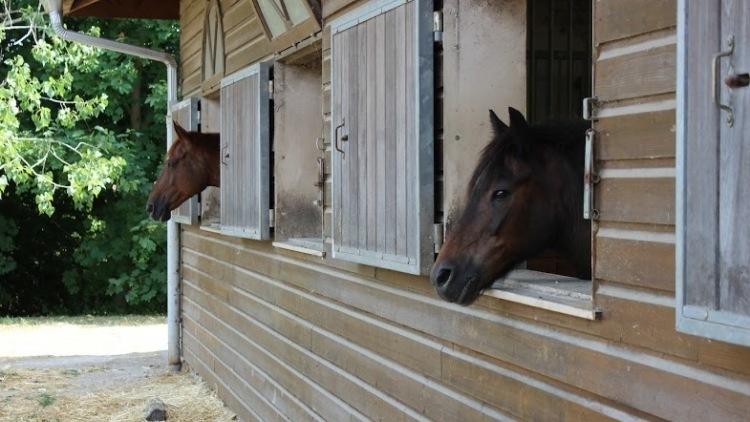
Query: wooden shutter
185,113
713,175
382,132
245,153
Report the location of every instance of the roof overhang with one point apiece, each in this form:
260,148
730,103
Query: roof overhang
134,9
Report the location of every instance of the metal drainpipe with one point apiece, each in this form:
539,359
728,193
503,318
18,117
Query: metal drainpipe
54,8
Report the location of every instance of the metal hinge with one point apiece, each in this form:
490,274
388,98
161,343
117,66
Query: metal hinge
590,178
271,218
270,89
437,25
437,236
198,118
590,105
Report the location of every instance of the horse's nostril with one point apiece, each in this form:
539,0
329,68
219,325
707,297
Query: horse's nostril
443,277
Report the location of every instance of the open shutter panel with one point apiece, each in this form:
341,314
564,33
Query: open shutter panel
245,153
382,132
713,186
185,113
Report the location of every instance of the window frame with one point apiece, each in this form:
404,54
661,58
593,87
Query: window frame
293,228
193,206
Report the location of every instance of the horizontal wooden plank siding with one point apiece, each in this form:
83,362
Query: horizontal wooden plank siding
636,199
617,19
329,327
285,296
634,253
646,72
636,260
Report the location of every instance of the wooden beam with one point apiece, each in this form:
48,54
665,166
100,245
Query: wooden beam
135,9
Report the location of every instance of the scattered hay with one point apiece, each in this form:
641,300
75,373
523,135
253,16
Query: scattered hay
40,395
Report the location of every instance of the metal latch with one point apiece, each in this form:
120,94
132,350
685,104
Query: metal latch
437,235
320,184
590,104
590,178
437,25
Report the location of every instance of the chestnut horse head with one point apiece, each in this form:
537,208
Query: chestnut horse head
524,197
191,165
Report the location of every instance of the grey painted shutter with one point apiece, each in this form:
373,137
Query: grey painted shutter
713,178
245,153
382,132
185,113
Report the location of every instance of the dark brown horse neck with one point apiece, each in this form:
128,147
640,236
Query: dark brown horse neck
573,239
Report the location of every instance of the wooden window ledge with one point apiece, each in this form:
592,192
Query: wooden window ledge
556,293
309,246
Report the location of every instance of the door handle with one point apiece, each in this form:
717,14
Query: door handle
715,83
224,154
343,138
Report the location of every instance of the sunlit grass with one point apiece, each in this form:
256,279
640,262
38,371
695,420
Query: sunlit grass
86,320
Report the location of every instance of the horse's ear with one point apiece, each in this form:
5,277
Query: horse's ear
519,132
517,121
497,125
181,133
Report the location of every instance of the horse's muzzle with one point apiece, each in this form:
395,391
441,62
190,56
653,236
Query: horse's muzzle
158,210
454,285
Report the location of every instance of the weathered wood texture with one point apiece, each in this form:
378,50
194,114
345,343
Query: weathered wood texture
380,165
245,154
185,113
285,336
386,347
298,123
634,79
715,195
244,40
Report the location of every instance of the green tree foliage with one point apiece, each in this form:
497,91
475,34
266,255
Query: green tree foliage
81,140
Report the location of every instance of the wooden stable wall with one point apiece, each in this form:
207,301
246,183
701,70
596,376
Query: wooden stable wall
283,335
244,41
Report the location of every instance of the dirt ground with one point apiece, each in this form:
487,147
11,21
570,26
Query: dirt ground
95,370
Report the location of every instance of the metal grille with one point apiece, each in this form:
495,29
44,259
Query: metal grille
559,58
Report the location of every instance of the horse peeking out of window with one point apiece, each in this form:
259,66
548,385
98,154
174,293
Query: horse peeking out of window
192,164
524,197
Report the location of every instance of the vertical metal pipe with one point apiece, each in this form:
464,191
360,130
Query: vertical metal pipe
173,249
54,8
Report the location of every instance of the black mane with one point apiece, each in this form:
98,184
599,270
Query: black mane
565,136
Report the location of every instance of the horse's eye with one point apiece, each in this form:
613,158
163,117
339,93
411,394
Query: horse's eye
500,194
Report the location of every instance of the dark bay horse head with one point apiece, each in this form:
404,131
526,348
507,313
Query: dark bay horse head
524,197
191,165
